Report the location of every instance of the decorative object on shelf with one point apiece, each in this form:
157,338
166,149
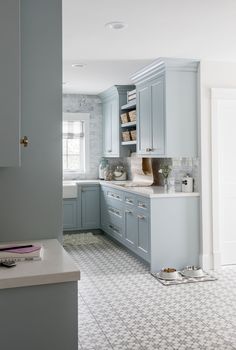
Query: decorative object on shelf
120,173
126,135
131,95
108,174
187,184
124,118
165,170
102,166
171,184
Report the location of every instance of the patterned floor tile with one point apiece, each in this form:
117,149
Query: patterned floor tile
121,306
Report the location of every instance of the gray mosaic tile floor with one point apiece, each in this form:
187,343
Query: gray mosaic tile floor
121,306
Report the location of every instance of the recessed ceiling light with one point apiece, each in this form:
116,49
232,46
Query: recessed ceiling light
78,65
116,25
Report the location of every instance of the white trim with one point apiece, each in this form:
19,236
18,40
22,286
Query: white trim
86,118
217,95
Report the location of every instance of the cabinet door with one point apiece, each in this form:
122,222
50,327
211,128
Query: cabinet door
90,207
144,128
69,214
10,83
107,125
130,232
143,239
157,116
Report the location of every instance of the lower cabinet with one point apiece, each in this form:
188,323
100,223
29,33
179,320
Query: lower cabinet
125,217
82,212
136,232
90,207
69,214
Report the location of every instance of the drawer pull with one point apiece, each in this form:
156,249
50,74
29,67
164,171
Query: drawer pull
118,197
148,149
129,201
141,217
129,211
142,205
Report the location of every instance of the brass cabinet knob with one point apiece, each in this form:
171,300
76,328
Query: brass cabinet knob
24,141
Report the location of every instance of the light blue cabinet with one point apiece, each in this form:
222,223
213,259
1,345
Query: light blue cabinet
82,212
10,83
167,109
69,214
90,207
125,217
112,100
150,125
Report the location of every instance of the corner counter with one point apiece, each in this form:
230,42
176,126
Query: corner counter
39,302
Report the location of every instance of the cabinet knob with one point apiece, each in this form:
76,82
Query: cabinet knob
148,149
24,141
109,150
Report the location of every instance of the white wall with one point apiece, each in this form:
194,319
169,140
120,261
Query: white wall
213,75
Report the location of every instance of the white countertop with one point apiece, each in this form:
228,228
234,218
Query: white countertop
56,266
150,191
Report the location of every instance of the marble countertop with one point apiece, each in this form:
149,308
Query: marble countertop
56,266
150,191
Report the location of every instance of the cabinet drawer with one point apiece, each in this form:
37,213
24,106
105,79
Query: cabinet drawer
130,199
115,230
113,194
143,203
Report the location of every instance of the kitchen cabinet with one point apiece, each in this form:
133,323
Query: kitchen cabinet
70,214
167,110
125,217
90,207
82,212
10,83
112,101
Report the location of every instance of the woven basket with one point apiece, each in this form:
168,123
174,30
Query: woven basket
133,134
132,116
124,118
126,136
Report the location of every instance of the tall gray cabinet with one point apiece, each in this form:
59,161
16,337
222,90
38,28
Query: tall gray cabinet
112,100
167,113
10,83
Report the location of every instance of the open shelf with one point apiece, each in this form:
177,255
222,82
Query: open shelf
126,125
130,105
127,143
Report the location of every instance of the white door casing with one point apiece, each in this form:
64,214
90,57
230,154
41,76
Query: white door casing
224,176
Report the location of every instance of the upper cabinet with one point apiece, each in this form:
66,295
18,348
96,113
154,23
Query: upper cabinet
112,101
10,83
167,110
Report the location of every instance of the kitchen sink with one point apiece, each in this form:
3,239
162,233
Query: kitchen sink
69,189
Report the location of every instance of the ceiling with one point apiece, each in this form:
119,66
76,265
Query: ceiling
200,29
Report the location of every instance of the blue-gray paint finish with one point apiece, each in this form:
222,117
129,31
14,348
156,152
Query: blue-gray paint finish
167,110
70,214
39,317
31,196
112,100
10,83
90,207
174,232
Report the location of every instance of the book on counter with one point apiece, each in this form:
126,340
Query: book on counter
20,252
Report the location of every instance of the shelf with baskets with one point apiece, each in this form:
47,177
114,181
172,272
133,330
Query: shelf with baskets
128,123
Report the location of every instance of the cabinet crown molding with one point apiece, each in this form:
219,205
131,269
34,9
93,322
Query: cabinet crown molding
115,91
162,65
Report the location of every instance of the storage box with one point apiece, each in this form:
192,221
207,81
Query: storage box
124,118
133,135
126,136
132,116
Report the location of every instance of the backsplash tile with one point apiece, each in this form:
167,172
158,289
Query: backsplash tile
180,167
74,103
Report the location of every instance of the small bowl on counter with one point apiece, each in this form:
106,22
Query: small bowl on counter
193,271
169,273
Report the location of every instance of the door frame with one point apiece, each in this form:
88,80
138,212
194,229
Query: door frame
217,95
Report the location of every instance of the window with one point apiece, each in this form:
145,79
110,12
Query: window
75,132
